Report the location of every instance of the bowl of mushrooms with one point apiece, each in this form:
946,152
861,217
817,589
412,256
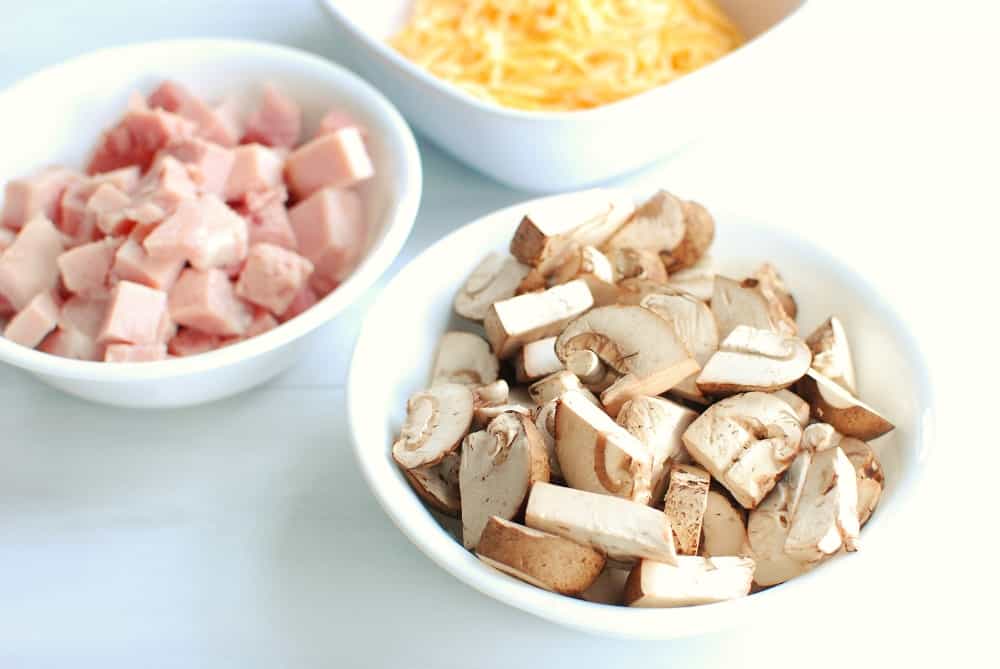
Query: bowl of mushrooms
638,418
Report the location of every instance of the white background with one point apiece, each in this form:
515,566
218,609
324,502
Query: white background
241,534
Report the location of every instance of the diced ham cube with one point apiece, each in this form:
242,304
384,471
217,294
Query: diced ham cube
37,195
70,343
83,314
28,266
134,315
212,125
38,318
269,224
206,301
135,353
272,277
124,179
277,121
189,341
330,231
208,163
335,120
337,159
262,322
168,328
7,237
106,210
255,168
305,299
205,232
167,184
85,269
137,138
73,205
132,263
145,213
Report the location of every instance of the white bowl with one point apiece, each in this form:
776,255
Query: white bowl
393,358
547,151
55,116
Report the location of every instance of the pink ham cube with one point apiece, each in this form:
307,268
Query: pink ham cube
106,210
277,121
255,168
132,263
36,195
272,277
269,224
38,318
335,120
188,342
205,232
330,231
205,300
337,159
7,237
262,322
28,266
167,184
209,164
73,206
212,125
305,299
70,344
137,138
85,269
134,316
84,315
135,353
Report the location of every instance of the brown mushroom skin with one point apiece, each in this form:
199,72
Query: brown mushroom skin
437,485
699,231
437,420
855,420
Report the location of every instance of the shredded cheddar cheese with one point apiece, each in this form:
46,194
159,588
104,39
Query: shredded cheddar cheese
559,55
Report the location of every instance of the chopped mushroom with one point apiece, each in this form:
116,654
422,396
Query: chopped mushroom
591,370
773,286
699,231
751,359
592,267
513,322
659,424
684,505
464,358
537,359
799,405
622,530
493,399
832,404
826,517
609,588
768,525
437,420
598,455
495,278
695,325
544,418
735,303
869,473
693,580
542,559
641,264
723,531
499,466
746,442
832,354
438,484
697,280
656,225
637,344
555,385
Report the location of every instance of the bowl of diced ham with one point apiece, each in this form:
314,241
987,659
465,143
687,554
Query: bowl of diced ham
178,219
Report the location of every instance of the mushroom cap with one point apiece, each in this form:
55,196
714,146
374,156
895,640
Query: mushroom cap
659,425
630,263
542,559
437,419
767,529
438,484
699,231
832,404
826,516
832,354
463,357
798,405
723,530
684,505
498,467
598,455
552,386
693,580
622,530
735,304
591,266
696,327
869,473
750,359
495,278
544,418
746,442
698,280
656,225
773,286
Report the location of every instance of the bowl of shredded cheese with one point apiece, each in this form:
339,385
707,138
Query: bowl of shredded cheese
557,94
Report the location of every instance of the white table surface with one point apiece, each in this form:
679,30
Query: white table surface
241,534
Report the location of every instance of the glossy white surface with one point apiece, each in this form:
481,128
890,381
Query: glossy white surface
547,151
69,105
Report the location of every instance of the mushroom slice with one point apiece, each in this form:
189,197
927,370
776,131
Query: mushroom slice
438,484
555,385
591,266
495,278
869,473
591,370
622,530
557,226
696,327
834,405
609,588
750,359
746,442
657,225
685,506
542,559
723,531
773,286
634,342
658,424
437,420
544,418
537,359
516,321
641,264
799,405
499,465
693,580
832,354
464,358
598,455
697,280
826,517
737,304
768,525
820,437
699,231
493,399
